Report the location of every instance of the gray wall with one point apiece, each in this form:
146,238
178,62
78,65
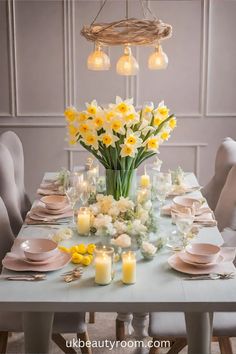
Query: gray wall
43,69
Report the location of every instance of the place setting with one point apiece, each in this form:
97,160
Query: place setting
35,254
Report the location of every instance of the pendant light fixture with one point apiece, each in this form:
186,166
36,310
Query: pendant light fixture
127,32
158,60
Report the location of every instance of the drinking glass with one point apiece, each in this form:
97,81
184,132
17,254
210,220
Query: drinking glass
72,196
184,223
162,185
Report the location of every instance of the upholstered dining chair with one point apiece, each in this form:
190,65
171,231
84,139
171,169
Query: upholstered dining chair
14,145
12,321
8,189
225,159
171,326
225,211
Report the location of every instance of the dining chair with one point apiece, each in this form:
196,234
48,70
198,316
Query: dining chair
8,189
12,321
225,212
225,159
170,326
14,145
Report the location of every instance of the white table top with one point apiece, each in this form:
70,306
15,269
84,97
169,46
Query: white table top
158,287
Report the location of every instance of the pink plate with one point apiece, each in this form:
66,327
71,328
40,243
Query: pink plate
45,261
19,265
184,257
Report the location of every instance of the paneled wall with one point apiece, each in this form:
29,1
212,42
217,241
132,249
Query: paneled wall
43,69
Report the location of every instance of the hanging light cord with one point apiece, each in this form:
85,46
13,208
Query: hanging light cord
99,11
146,8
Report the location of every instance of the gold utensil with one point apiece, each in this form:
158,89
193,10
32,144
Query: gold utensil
27,277
75,274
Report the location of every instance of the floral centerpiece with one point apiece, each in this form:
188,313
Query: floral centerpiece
120,137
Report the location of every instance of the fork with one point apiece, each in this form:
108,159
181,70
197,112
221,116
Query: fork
27,277
212,276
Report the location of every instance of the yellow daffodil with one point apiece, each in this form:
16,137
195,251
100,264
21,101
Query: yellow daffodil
109,115
152,143
124,106
157,121
98,122
131,118
165,135
162,110
148,108
70,114
127,150
84,128
90,248
91,139
81,117
92,107
108,139
72,140
133,138
172,123
117,126
72,130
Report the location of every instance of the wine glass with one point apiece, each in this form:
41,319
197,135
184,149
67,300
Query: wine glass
72,196
162,185
184,223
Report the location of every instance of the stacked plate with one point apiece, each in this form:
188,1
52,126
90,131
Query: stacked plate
37,254
49,209
203,258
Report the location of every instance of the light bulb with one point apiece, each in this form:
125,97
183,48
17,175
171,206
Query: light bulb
158,60
127,64
98,60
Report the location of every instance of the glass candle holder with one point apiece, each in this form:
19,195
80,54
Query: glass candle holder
128,267
103,262
83,221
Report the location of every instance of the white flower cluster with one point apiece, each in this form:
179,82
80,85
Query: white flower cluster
148,248
118,217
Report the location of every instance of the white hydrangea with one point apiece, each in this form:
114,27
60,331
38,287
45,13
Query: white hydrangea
120,227
125,204
148,248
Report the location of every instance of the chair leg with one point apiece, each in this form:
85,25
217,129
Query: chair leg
91,317
84,337
120,330
61,343
178,345
3,342
225,345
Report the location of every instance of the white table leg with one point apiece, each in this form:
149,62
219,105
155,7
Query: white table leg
126,318
199,332
37,329
139,324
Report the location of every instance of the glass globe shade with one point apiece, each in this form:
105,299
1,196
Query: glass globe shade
127,65
98,60
158,60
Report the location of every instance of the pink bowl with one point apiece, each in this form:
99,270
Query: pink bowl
203,252
39,249
187,202
54,201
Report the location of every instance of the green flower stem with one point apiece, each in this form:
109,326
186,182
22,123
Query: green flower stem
119,182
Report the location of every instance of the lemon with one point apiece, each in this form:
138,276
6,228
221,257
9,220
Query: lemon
64,249
77,258
74,249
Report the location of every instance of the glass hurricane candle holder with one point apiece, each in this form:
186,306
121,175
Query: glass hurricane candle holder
83,221
103,262
128,267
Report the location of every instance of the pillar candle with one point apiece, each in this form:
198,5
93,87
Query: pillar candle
103,269
128,268
145,181
83,221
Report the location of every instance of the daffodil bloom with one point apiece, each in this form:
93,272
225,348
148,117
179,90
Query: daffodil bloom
109,115
117,125
98,122
70,114
124,106
165,135
162,110
153,143
108,139
127,150
133,138
172,123
131,118
157,121
72,129
148,108
91,139
92,107
81,117
72,140
84,128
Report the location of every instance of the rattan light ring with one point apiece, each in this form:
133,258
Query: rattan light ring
130,31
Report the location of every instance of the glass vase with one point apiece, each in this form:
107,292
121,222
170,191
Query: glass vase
121,183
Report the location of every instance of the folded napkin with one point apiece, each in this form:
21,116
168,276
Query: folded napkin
204,216
43,191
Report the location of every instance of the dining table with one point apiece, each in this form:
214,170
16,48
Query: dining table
158,288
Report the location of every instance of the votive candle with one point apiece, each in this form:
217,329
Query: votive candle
128,268
83,221
103,265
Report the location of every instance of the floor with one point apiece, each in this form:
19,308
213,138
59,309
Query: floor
104,328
